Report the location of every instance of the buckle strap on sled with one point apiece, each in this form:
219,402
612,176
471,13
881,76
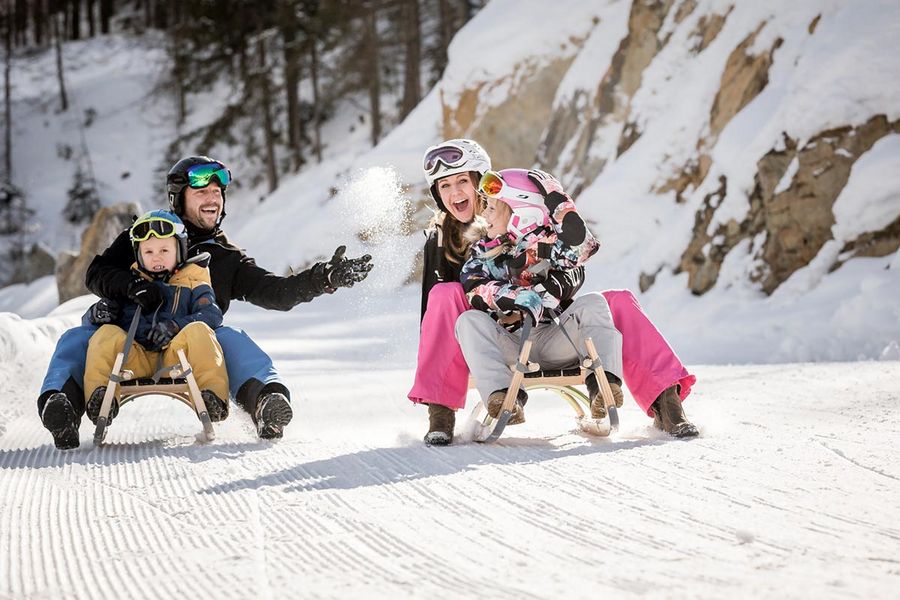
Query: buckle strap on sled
163,371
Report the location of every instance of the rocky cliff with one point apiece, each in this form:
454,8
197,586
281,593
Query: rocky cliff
734,126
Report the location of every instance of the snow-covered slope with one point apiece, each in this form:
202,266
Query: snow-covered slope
657,70
789,492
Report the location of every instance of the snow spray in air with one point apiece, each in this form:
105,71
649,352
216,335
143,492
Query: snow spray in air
373,204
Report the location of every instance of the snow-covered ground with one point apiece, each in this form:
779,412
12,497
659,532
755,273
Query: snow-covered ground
789,492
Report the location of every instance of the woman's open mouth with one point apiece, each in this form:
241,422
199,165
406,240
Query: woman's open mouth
461,206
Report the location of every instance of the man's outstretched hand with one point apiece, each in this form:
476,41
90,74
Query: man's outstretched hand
345,272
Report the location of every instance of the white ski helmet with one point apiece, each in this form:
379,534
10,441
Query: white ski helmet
451,158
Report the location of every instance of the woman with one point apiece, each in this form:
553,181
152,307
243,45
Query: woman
657,379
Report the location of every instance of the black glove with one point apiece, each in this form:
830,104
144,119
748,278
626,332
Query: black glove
550,187
563,285
162,333
105,311
344,272
145,294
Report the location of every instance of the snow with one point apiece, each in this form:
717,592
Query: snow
510,32
787,492
871,199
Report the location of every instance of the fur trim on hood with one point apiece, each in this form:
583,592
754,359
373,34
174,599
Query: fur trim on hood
477,230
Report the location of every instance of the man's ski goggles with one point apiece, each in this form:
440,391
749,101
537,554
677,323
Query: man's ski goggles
450,156
493,186
199,176
155,226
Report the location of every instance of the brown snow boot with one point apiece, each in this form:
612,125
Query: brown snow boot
441,421
495,403
598,406
669,416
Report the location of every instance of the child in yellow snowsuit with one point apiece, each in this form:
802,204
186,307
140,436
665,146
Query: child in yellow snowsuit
184,318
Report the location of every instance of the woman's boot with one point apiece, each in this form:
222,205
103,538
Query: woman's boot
669,416
441,421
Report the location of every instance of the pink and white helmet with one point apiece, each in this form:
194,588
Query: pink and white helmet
513,188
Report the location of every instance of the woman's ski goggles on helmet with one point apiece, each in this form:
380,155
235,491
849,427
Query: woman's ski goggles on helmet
199,176
450,156
492,185
155,226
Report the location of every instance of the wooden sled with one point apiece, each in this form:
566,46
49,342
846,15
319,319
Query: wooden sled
562,381
180,385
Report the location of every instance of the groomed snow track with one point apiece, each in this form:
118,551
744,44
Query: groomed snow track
789,492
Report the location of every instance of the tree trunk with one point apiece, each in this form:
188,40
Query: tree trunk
445,34
372,70
18,15
38,19
467,10
412,70
160,14
76,19
266,107
314,72
106,13
290,44
92,25
57,34
179,74
7,142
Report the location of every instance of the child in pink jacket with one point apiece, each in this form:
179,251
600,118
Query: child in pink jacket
519,239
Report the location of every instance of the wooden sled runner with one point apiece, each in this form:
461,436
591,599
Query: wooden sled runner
180,384
562,381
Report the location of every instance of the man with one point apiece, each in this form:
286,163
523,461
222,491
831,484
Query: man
196,188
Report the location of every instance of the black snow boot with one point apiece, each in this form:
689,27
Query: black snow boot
95,403
598,406
59,418
669,416
441,421
273,413
495,404
216,408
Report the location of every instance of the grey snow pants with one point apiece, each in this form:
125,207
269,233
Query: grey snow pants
489,349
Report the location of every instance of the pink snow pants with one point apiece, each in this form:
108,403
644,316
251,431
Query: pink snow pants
442,376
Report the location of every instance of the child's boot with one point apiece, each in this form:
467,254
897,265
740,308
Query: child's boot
216,408
669,416
59,418
598,406
441,421
495,403
95,403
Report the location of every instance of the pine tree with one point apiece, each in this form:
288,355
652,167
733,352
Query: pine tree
83,201
14,213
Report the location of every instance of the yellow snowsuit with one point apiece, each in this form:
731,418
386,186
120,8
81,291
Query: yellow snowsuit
189,301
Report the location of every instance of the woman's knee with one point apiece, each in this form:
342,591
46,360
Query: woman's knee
444,293
619,299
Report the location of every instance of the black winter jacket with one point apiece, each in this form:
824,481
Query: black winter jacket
235,276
